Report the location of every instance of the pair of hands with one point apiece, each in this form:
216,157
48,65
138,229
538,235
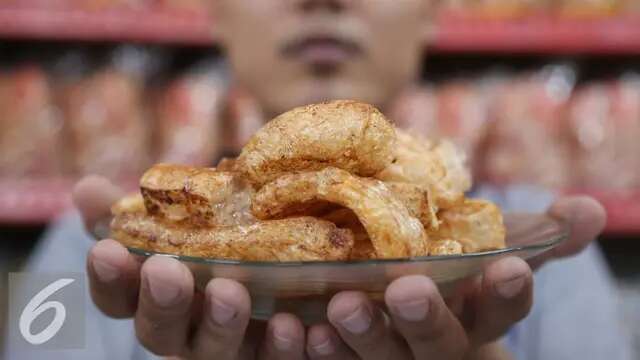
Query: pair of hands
173,319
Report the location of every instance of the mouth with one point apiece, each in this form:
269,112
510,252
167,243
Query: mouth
322,50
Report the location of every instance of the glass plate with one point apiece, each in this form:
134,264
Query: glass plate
305,288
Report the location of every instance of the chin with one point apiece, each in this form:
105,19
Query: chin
315,90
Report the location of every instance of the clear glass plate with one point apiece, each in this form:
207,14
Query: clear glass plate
305,288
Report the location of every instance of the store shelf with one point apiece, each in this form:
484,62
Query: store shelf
113,25
455,33
539,34
39,201
33,201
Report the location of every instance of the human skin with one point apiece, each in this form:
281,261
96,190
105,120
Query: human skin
159,294
383,43
288,53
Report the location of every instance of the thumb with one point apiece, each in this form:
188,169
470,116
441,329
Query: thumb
586,219
93,197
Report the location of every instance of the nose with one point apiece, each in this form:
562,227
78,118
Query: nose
333,6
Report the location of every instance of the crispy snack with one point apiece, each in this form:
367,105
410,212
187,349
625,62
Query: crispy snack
418,201
294,239
344,134
393,231
445,247
438,167
330,181
346,219
226,164
199,196
476,224
132,204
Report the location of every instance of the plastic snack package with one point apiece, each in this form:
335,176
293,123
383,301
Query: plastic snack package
588,8
188,116
106,123
416,110
27,111
462,112
243,116
525,142
604,126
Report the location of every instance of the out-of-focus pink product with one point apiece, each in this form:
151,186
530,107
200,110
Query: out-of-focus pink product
243,118
605,127
525,141
107,127
462,115
416,111
188,119
29,125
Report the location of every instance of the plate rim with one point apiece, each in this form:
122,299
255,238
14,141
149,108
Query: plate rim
546,245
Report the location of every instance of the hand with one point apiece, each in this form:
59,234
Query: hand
171,318
418,323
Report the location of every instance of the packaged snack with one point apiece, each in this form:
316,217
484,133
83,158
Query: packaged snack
187,117
525,141
604,127
416,110
29,124
587,8
462,115
242,118
107,128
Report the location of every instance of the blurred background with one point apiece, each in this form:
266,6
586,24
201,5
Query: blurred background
542,92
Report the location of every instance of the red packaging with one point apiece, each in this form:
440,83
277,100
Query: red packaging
107,129
462,113
525,141
194,6
244,118
605,127
496,9
29,125
588,8
416,111
188,119
625,113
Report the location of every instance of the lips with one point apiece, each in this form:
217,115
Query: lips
322,50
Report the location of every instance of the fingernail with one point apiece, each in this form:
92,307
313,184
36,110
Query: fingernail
324,349
105,271
358,322
164,294
221,312
413,310
510,288
282,343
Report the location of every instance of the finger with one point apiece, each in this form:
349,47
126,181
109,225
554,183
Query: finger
323,342
164,305
226,315
420,314
364,327
93,196
285,338
114,278
586,218
505,297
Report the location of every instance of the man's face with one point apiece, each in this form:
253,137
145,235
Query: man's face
293,52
